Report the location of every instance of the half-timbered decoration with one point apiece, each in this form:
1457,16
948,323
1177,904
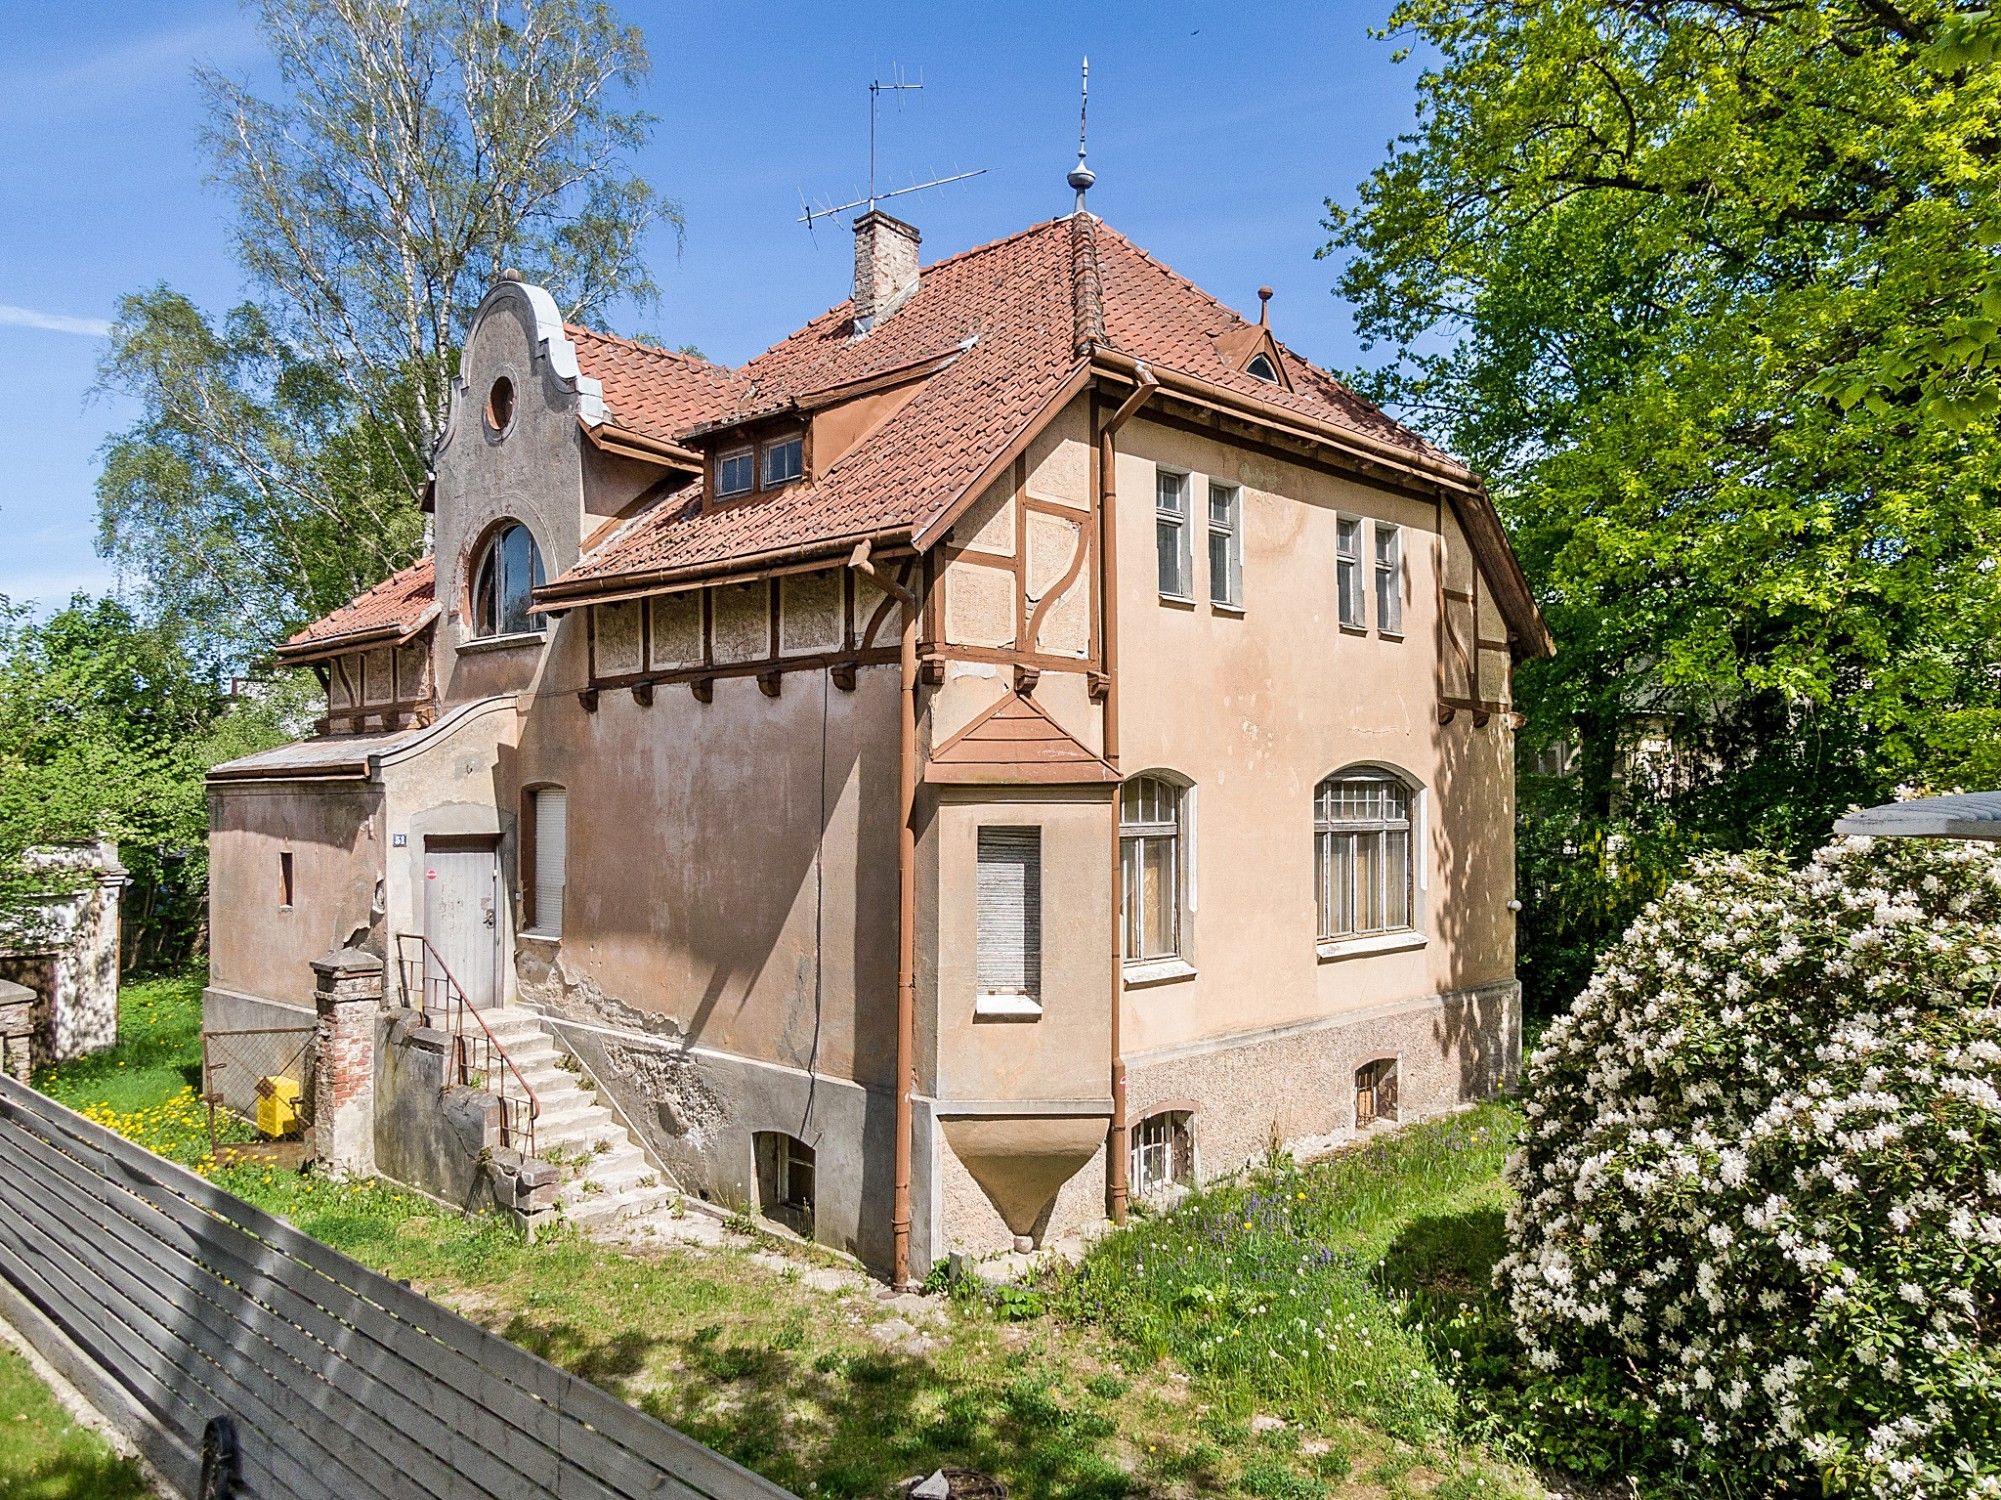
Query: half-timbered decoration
1027,739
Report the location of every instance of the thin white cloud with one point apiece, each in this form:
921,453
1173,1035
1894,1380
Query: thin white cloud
27,317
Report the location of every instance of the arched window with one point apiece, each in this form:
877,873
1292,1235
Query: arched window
1153,857
508,568
1361,837
1260,368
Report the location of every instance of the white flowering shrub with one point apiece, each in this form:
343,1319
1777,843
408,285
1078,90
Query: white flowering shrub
1759,1183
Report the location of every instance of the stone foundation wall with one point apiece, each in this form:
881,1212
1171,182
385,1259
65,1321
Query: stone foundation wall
1296,1085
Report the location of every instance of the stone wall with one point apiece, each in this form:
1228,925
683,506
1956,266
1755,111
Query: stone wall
65,948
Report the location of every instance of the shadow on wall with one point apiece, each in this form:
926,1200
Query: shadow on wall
1473,821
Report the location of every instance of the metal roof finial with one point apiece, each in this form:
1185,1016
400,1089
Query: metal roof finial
1081,177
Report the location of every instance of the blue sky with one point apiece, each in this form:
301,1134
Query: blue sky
1216,132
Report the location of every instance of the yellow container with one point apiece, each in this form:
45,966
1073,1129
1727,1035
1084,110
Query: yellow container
277,1106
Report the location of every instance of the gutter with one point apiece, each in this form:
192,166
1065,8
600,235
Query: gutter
1116,1190
906,916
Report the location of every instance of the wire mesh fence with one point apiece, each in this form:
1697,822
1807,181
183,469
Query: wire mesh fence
257,1084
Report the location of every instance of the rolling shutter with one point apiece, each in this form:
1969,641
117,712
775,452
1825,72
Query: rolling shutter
552,841
1009,914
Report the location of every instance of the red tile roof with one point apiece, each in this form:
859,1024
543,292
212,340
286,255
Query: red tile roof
396,606
1006,319
651,391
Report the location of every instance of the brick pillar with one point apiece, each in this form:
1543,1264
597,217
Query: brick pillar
17,1030
347,994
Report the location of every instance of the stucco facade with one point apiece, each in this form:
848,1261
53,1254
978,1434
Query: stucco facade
735,742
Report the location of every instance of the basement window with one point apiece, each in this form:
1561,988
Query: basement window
1163,1152
786,1169
1376,1093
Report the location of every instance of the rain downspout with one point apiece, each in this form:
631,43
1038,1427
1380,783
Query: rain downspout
906,916
1115,1176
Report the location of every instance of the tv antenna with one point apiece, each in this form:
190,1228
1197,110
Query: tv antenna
876,89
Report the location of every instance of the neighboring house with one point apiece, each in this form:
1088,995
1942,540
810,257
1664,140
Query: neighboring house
1027,739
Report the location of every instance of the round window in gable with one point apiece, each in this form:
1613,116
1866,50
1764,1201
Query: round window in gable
500,406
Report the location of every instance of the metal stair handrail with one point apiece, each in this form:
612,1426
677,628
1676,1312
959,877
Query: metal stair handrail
478,1060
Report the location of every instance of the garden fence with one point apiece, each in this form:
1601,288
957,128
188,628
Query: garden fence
215,1335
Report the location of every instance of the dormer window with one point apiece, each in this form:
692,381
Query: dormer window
509,570
768,465
736,473
784,461
1262,368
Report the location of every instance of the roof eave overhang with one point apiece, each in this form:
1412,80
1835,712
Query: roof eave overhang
558,597
303,653
623,442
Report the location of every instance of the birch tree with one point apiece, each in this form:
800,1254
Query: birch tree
411,151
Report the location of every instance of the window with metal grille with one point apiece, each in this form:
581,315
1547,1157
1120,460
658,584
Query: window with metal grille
1151,857
551,806
1226,545
1008,913
1170,526
1162,1152
1348,573
1362,854
1389,578
1375,1092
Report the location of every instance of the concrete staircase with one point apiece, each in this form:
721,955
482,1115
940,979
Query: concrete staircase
607,1177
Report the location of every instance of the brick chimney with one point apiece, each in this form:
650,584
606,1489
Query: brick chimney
885,267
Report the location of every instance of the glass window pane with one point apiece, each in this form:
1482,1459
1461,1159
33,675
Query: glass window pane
1169,538
784,462
1222,506
1396,908
733,473
1219,567
1368,882
1342,883
1157,897
1171,492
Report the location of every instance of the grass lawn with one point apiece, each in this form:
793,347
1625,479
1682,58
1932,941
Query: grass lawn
1251,1343
44,1455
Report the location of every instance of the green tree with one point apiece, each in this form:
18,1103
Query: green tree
1710,289
416,148
107,730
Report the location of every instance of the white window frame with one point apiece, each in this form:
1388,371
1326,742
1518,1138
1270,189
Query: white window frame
723,460
1388,576
1351,600
1134,833
1150,1152
1174,517
1337,827
1270,375
1228,591
993,996
772,480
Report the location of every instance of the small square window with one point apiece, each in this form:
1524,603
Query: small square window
1376,1093
784,461
735,473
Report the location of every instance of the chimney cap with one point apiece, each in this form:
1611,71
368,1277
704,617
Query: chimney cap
883,216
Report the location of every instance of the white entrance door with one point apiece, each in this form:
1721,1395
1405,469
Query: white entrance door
462,916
